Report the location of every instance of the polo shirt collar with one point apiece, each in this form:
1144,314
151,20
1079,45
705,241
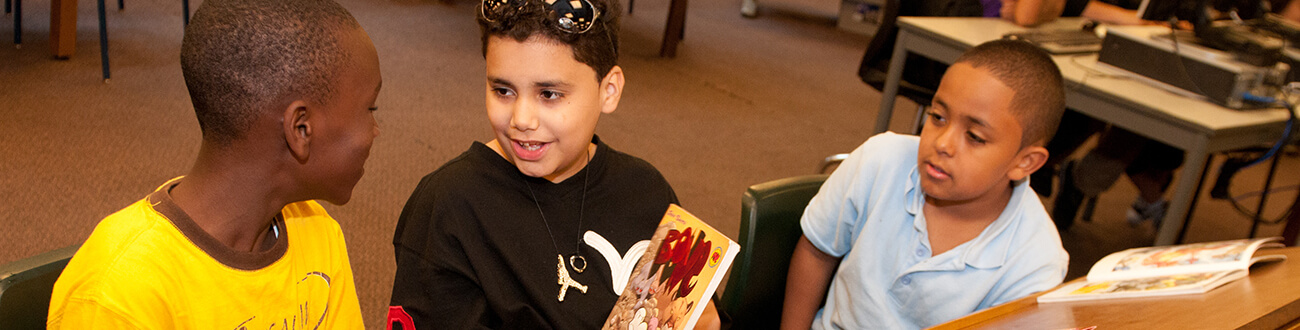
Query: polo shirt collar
991,247
915,197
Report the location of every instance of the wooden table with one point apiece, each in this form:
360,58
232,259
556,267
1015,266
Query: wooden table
1267,299
63,27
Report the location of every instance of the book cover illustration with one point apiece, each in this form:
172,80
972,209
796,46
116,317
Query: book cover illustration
1206,257
1191,254
1167,270
672,282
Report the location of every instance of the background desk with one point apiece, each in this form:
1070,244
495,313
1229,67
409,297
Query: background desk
63,27
1197,127
1267,299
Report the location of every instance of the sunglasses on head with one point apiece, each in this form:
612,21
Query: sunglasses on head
571,16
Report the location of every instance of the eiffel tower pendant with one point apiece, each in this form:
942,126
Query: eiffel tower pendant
564,280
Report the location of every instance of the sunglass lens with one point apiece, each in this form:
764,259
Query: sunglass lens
495,9
574,16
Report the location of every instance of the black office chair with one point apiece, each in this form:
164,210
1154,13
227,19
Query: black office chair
769,230
26,285
921,76
875,62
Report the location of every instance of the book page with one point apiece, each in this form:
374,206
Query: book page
1167,260
1143,287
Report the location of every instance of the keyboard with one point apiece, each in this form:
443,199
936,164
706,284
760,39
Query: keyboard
1061,41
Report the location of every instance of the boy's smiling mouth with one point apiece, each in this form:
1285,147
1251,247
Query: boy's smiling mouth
531,146
529,150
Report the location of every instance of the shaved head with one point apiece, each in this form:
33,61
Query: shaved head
1039,98
242,57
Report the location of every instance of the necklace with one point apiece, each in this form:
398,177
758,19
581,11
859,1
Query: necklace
561,272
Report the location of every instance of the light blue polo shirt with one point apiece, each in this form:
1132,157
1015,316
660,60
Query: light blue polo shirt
869,214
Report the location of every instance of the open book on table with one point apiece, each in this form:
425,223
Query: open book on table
672,282
1166,270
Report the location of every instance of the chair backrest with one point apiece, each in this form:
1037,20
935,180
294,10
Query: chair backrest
769,230
26,285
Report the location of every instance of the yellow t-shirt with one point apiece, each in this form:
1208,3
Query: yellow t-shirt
149,266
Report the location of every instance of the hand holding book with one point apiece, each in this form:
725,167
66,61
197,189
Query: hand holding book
670,285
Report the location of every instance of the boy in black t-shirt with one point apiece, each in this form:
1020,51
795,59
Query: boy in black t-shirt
523,231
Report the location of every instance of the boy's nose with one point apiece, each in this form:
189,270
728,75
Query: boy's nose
524,117
944,142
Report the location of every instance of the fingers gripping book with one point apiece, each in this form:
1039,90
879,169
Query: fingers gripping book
672,282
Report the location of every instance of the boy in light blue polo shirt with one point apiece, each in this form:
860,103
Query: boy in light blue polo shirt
910,232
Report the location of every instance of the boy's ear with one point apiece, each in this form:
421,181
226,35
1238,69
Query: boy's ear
1028,160
298,130
611,89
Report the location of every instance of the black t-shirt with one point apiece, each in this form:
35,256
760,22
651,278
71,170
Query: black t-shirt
473,251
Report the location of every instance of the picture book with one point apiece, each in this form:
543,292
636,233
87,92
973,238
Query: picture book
1166,270
671,284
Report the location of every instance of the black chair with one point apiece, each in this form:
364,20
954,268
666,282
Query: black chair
769,230
875,62
921,76
26,285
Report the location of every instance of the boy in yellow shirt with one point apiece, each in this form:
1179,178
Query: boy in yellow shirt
284,92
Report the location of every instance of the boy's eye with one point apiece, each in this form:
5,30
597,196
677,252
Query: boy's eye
976,138
936,118
372,109
502,91
551,95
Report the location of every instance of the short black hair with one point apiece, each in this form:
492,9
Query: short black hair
241,56
597,47
1039,98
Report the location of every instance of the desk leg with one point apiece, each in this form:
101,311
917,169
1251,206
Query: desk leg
674,28
1292,229
1193,166
892,80
63,27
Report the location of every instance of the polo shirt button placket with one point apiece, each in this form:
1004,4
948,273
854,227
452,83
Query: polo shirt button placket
907,280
